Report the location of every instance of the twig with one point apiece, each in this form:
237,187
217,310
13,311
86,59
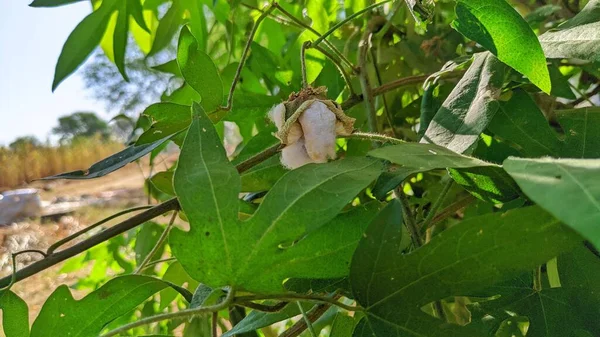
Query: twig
178,314
215,325
311,329
263,307
386,110
305,45
339,67
136,220
374,137
238,72
14,265
312,30
450,210
61,242
289,297
346,20
154,263
437,204
52,259
364,81
159,243
409,218
313,315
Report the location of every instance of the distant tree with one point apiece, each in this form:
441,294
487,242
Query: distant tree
23,142
81,124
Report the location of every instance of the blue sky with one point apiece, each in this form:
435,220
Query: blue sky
30,41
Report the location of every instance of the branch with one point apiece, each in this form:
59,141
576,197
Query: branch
167,206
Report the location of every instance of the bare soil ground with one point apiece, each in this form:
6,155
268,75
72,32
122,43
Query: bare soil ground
33,234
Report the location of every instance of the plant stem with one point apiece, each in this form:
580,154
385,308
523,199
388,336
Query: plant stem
346,20
238,72
311,329
187,313
409,218
305,45
364,82
312,30
154,263
136,220
537,279
264,308
290,297
437,204
61,242
449,211
374,137
386,111
13,279
159,243
340,68
215,325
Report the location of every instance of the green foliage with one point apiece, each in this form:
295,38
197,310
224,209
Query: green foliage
490,150
496,26
567,188
15,314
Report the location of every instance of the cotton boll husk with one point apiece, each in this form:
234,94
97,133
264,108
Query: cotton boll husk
319,127
295,133
294,155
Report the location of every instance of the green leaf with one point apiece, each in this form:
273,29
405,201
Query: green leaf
342,326
560,84
170,67
425,157
52,3
581,126
163,181
15,314
473,254
220,250
146,240
521,122
257,319
263,176
112,163
62,315
175,274
578,38
496,26
213,213
487,183
168,25
470,106
388,181
551,312
167,119
82,41
199,71
567,188
324,253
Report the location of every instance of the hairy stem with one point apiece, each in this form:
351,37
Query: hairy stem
238,72
73,236
187,313
346,20
409,217
311,329
138,219
437,204
374,137
159,243
305,45
289,297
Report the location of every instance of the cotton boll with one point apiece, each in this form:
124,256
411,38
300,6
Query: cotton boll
277,115
319,126
294,155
